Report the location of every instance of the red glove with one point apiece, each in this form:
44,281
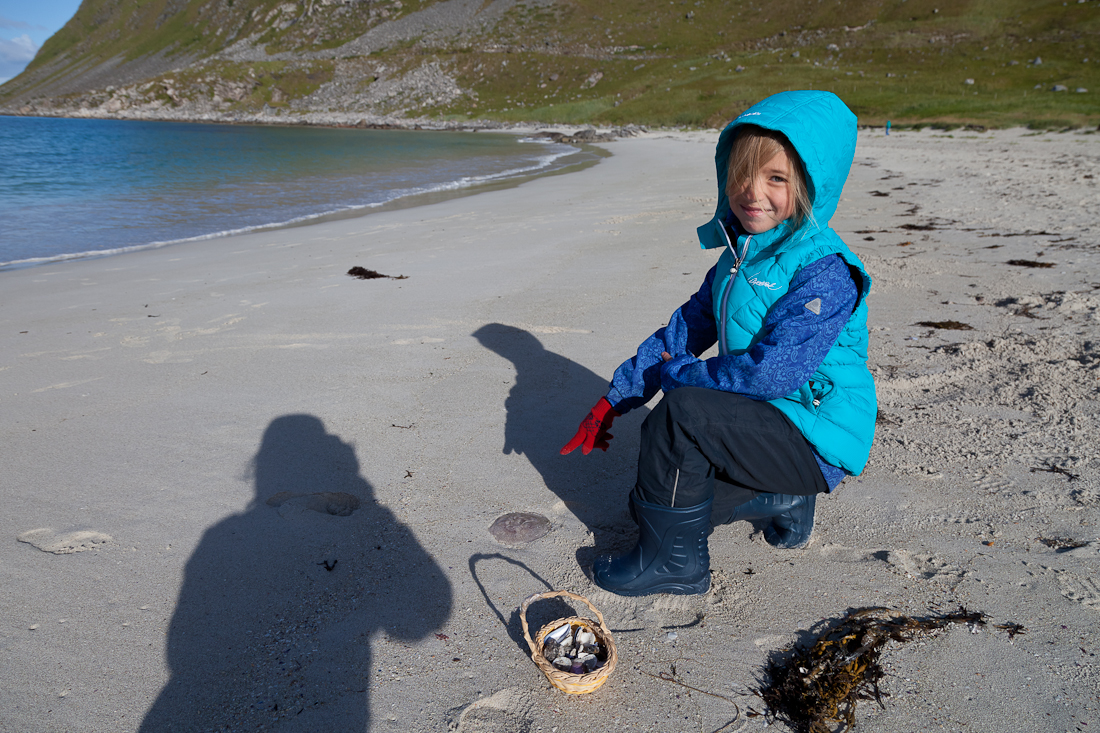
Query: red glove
593,430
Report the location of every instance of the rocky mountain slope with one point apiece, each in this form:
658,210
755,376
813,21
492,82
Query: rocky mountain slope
694,62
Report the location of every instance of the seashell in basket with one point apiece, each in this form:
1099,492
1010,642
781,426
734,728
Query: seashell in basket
558,635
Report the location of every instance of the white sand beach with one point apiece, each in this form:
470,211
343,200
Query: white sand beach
154,402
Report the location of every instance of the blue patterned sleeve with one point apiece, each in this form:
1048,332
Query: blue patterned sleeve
690,330
794,341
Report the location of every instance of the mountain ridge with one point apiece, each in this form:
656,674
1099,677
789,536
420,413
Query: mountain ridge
483,62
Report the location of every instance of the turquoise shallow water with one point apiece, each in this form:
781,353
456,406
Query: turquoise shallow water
77,188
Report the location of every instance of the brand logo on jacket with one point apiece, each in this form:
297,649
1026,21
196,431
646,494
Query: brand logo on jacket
763,283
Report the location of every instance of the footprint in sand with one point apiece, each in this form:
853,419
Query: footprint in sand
336,503
925,566
1085,591
506,711
1085,497
990,483
669,610
920,565
49,540
663,610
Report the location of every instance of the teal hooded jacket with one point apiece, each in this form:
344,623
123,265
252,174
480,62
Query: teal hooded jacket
835,406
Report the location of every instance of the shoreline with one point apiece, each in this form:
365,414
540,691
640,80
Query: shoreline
338,120
361,121
180,420
584,153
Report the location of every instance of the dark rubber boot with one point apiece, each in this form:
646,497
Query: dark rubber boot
671,555
792,518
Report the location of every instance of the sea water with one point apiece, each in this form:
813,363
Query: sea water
74,188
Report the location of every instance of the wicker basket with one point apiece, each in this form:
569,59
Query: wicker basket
574,684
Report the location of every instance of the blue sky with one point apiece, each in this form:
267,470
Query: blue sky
25,26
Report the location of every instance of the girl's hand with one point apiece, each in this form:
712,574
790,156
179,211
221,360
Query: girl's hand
666,356
593,432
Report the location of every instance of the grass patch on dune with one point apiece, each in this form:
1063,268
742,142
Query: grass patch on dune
910,62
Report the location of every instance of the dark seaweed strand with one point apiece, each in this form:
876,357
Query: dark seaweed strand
821,684
364,274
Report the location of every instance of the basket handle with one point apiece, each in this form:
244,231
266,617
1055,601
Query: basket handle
555,594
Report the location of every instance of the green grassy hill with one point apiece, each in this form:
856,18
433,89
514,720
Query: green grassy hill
685,62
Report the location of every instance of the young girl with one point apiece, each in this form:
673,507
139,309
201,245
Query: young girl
787,408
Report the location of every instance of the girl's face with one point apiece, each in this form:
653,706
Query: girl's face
764,202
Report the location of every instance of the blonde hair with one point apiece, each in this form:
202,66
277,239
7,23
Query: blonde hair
752,149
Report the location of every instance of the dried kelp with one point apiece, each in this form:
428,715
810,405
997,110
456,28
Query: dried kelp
883,418
1062,543
1020,234
1049,467
814,689
1014,629
1029,263
946,325
364,274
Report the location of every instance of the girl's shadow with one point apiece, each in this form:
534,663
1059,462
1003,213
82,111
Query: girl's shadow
551,396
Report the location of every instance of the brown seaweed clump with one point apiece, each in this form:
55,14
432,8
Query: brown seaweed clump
947,325
1029,263
364,274
815,688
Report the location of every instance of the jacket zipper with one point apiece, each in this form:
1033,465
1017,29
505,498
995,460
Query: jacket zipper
729,285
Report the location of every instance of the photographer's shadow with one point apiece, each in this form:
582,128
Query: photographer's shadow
551,396
273,625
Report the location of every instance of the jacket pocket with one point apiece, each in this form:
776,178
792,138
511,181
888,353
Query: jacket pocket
818,391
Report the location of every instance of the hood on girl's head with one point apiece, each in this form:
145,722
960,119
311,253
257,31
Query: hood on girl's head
822,130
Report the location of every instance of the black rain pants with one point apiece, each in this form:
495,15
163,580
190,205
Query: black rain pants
701,443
